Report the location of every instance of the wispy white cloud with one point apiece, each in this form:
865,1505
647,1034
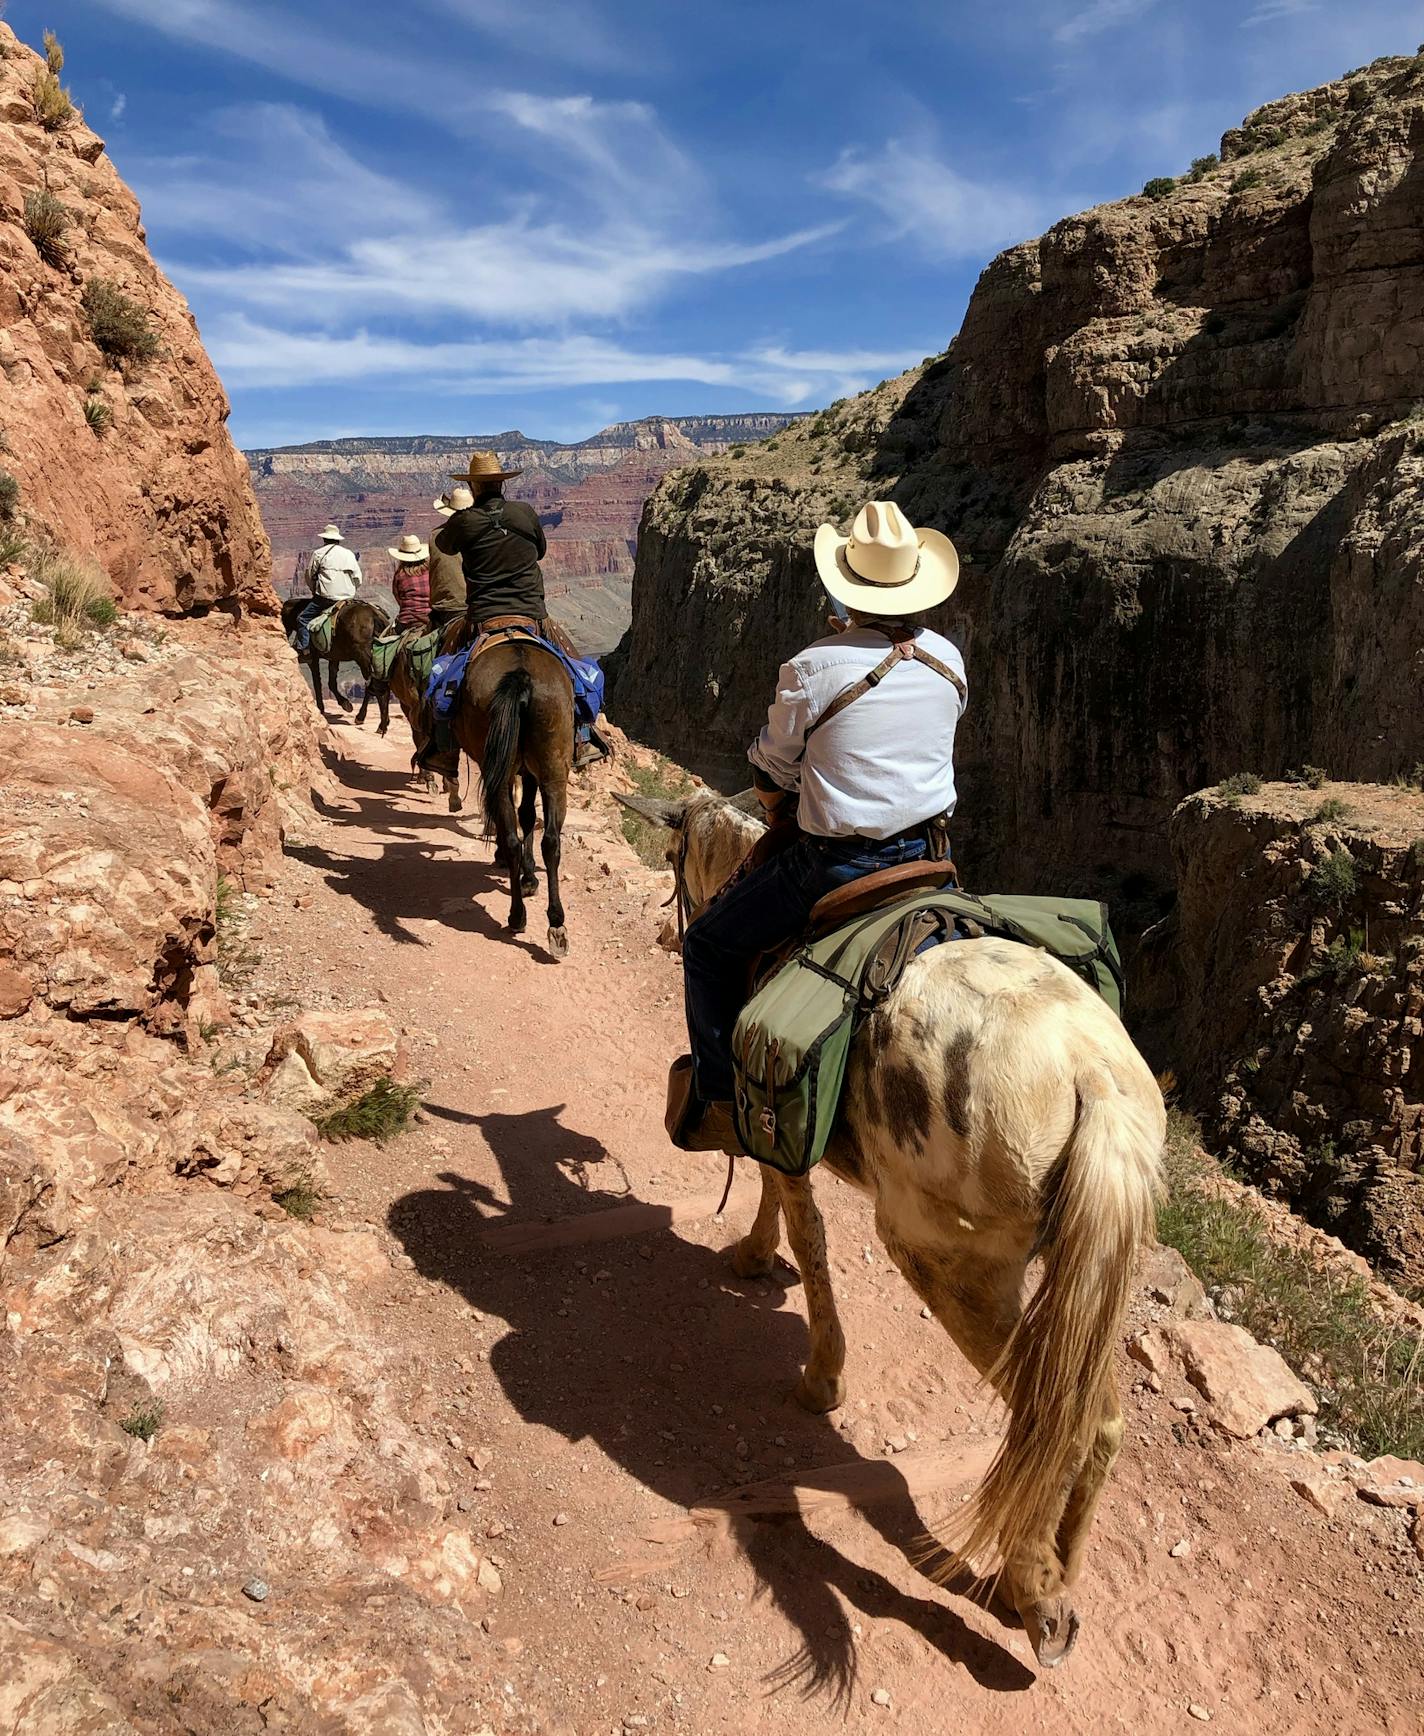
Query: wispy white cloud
560,30
117,107
929,202
1272,10
1100,16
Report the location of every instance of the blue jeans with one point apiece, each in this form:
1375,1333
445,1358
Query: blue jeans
770,906
310,611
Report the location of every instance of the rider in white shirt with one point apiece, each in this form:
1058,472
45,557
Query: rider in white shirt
334,575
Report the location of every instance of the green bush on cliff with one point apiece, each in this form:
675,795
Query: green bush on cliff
46,221
52,103
1247,179
1237,785
118,324
9,497
1159,186
1333,882
1203,166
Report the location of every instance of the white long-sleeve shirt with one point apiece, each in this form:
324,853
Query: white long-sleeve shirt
334,573
883,764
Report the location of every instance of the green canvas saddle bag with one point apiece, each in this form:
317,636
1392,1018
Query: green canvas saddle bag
791,1045
421,648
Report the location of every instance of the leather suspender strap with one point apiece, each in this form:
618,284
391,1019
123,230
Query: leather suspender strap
904,651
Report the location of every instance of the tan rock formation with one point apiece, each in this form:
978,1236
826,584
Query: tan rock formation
1174,442
158,494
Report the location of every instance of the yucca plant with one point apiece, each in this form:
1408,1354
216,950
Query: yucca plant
98,414
46,220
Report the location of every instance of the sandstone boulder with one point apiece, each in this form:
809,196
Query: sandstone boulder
1245,1385
329,1057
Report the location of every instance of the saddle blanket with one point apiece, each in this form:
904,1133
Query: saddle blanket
448,674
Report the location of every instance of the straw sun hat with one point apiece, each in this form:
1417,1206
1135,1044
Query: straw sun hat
454,500
484,467
885,566
332,534
411,553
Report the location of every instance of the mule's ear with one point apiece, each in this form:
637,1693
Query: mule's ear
655,808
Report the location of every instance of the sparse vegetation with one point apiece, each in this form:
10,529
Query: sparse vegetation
1237,785
236,959
52,103
380,1113
144,1420
1368,1375
118,324
77,596
1313,777
1159,186
1332,808
1345,956
666,782
1410,780
46,221
300,1200
1333,882
9,497
1247,179
1203,166
98,414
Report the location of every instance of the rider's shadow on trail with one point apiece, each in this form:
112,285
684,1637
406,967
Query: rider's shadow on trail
631,1344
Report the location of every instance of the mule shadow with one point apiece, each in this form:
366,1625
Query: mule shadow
618,1343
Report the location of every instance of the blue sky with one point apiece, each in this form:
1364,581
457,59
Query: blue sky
468,215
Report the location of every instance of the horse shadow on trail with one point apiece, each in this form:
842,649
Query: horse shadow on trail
633,1365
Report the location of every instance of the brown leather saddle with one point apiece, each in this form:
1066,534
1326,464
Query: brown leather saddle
875,891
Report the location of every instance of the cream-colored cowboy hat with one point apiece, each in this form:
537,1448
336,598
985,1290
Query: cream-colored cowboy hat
885,566
484,467
332,534
411,551
453,501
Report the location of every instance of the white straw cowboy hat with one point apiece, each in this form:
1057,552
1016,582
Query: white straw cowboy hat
412,551
484,467
452,501
885,566
332,534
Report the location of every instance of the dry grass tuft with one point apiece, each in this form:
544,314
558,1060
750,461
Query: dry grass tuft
53,105
380,1113
77,595
667,782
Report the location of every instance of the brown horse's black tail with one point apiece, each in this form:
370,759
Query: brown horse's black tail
501,756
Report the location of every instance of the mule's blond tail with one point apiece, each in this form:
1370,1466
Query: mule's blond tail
1056,1371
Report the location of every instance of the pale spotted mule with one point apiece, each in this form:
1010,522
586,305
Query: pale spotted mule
995,1109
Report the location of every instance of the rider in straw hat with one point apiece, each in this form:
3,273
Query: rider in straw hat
859,745
410,583
334,576
447,566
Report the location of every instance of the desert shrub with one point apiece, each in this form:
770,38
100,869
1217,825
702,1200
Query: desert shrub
1332,808
118,324
737,451
301,1200
1333,882
1410,780
1203,166
1344,956
9,497
772,444
52,103
46,220
77,594
1414,857
1313,777
1367,1375
1237,785
144,1420
1159,186
1247,179
380,1113
97,413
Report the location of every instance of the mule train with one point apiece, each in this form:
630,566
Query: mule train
995,1110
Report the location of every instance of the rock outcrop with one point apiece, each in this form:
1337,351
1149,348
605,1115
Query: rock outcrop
1176,444
1291,1001
124,459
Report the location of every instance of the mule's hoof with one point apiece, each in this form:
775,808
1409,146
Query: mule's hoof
747,1263
559,943
344,703
819,1393
517,924
452,800
1052,1628
529,884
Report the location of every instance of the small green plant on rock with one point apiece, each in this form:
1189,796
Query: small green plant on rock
1203,166
144,1420
77,595
46,221
52,103
118,324
300,1200
98,414
1159,186
9,497
1345,956
1246,180
1313,777
1333,882
379,1113
1237,785
1332,808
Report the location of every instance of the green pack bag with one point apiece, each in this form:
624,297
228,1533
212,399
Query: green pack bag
791,1045
420,647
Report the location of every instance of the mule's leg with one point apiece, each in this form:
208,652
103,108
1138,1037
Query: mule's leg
383,705
556,801
452,792
822,1384
336,693
755,1255
528,803
313,663
507,842
365,692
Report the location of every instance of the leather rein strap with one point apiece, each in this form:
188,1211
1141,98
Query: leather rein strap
902,651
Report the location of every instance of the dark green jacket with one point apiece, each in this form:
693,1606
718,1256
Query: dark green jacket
447,572
500,543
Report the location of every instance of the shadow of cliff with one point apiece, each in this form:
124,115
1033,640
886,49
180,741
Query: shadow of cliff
625,1351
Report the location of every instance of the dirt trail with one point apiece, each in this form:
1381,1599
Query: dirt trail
602,1388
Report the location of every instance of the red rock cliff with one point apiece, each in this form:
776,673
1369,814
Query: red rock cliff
148,482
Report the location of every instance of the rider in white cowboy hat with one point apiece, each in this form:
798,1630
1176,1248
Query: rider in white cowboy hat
334,575
410,583
859,743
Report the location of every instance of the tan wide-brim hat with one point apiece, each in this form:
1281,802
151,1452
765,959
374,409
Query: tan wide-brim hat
457,499
332,534
885,566
412,551
484,467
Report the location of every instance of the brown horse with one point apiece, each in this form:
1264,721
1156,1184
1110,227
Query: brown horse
356,624
515,718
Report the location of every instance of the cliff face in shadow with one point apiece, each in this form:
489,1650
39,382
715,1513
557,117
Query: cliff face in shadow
1175,444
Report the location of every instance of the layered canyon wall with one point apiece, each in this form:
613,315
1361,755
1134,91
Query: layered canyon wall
1177,445
122,459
